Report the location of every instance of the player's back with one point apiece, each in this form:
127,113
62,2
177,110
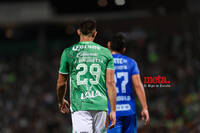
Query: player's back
87,63
125,67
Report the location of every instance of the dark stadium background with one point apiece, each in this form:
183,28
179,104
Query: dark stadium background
163,37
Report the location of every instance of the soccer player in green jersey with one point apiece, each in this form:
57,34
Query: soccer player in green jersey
90,69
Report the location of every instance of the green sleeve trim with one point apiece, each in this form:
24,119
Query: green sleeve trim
111,68
63,72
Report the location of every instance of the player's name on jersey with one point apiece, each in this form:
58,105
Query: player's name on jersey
121,67
89,59
90,94
123,98
119,61
79,47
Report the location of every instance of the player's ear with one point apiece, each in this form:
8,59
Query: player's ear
109,45
123,50
78,32
94,34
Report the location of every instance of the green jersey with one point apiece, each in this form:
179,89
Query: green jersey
86,63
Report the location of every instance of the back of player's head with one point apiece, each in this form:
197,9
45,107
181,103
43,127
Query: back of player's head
88,27
118,42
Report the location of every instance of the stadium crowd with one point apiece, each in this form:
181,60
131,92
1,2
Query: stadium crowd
28,87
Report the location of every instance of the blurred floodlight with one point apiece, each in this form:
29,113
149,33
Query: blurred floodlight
120,2
102,3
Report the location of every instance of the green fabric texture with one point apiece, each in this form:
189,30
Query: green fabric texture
86,63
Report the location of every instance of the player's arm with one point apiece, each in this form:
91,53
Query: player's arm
62,83
111,91
61,91
139,89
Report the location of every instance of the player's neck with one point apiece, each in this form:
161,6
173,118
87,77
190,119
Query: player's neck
114,52
86,39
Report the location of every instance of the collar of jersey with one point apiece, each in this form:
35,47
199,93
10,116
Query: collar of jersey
117,54
86,42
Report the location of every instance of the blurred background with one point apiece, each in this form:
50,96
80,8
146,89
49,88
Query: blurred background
163,37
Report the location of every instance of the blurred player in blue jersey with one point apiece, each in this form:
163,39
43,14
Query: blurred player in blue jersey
127,77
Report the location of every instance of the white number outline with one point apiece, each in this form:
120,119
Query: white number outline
124,81
96,73
92,72
83,72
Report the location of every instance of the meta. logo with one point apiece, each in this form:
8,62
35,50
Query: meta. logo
156,81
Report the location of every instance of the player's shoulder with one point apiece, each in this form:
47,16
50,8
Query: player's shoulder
70,47
103,49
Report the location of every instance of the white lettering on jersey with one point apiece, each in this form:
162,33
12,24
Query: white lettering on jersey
79,47
90,94
123,98
119,61
123,67
123,107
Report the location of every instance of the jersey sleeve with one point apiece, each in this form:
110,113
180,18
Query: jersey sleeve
63,64
110,64
135,69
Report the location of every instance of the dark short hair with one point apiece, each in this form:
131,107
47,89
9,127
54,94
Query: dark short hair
87,27
118,42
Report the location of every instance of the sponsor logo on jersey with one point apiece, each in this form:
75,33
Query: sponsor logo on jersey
86,54
79,47
90,94
121,67
123,107
123,98
119,61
